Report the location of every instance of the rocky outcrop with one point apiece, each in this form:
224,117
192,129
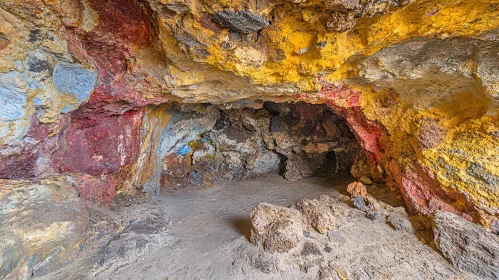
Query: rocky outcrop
43,226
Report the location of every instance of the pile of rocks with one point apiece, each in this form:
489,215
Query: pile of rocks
471,249
280,229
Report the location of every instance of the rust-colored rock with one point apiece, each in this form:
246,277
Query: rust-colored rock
357,188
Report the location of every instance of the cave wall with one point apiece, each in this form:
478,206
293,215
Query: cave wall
82,83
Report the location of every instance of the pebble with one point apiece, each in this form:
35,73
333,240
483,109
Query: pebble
365,180
373,215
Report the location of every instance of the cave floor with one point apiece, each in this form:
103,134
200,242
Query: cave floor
202,234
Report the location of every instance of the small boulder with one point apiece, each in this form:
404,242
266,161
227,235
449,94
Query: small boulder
42,226
357,188
399,222
317,214
278,229
373,204
469,247
373,215
359,203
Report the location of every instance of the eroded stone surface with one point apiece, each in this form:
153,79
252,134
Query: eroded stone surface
339,252
408,99
278,229
469,247
357,188
43,225
74,79
316,214
241,21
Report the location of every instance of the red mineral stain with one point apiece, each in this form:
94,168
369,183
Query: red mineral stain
31,157
422,192
346,103
99,145
419,187
4,43
100,190
125,20
123,27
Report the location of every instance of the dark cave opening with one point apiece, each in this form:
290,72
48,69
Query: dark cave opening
296,140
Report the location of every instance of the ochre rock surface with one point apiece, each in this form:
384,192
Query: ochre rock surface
84,83
44,223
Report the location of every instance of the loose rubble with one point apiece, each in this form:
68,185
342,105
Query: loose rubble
332,232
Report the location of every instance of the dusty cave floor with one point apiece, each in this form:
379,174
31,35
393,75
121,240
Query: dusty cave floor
203,234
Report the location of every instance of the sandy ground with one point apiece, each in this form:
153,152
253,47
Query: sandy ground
202,234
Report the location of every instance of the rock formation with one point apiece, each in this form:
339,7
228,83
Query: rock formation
43,225
468,246
126,96
278,229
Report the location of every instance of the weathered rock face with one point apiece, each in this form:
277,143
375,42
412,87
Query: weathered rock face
43,226
85,88
469,247
316,214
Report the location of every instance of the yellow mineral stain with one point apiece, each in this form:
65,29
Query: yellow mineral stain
156,119
297,36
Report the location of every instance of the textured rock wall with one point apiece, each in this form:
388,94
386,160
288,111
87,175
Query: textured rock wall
81,82
43,226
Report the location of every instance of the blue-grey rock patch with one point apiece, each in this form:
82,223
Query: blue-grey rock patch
74,79
241,21
13,97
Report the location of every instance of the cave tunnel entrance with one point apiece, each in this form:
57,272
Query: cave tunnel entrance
220,164
295,140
